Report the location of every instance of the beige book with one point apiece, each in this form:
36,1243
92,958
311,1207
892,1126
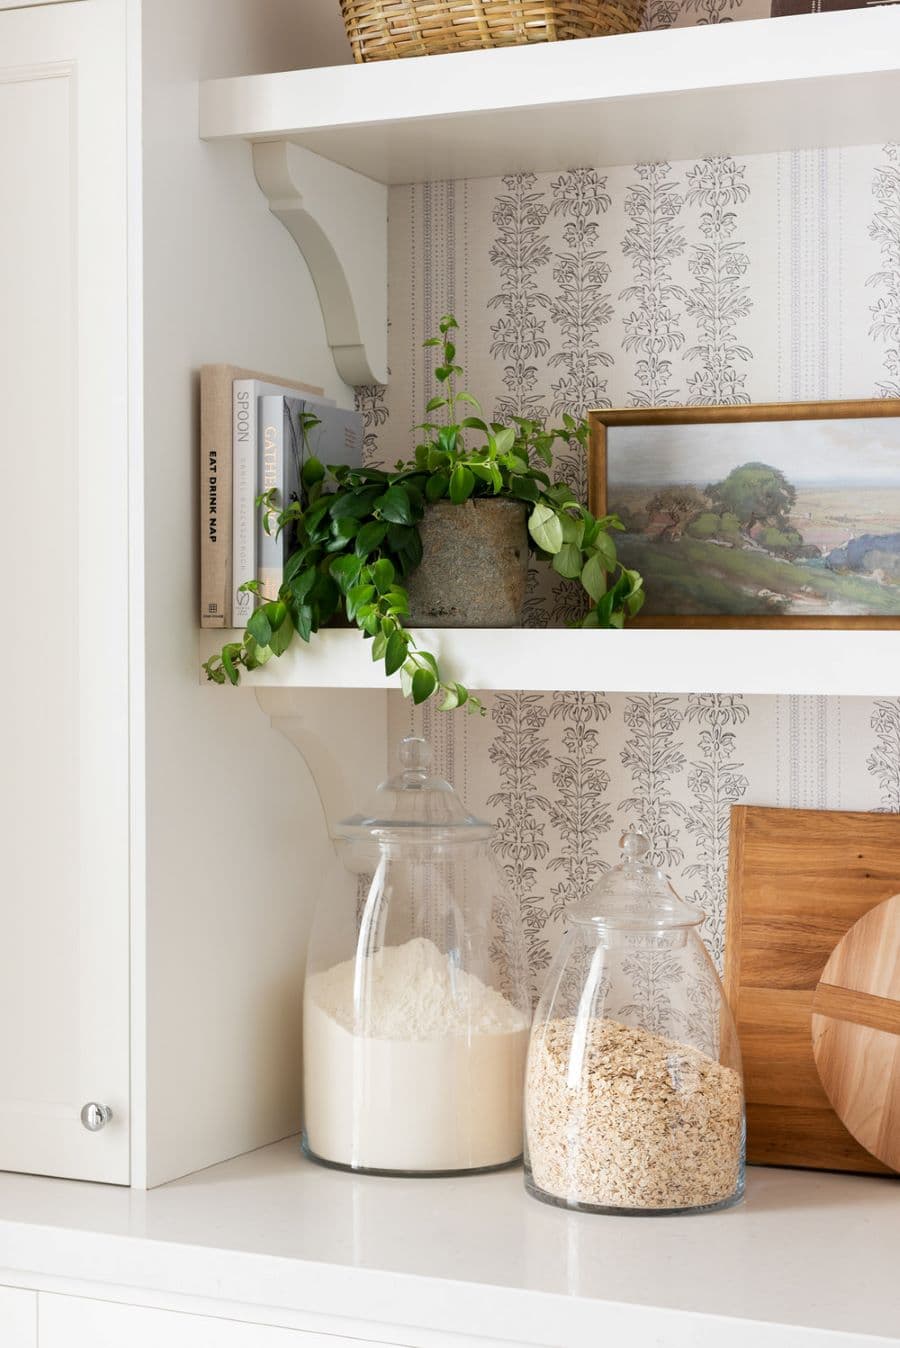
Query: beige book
216,454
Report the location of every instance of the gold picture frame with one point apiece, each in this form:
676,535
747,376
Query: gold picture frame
603,421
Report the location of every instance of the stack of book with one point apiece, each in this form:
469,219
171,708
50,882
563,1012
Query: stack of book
255,433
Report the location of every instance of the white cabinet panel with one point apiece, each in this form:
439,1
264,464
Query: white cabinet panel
18,1318
71,1322
64,906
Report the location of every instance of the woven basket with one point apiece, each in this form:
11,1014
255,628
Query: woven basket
380,30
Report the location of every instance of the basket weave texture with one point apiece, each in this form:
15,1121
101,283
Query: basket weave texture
380,30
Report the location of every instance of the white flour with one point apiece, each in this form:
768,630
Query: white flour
435,1084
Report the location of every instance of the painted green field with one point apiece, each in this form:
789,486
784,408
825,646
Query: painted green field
692,576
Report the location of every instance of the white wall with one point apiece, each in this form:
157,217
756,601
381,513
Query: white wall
229,871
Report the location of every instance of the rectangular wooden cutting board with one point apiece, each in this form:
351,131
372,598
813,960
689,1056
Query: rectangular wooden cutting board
798,880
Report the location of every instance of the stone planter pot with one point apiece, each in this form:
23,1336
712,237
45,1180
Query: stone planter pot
474,565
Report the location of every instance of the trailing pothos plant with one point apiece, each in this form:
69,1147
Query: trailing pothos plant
354,536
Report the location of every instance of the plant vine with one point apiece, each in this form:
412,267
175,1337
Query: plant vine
353,537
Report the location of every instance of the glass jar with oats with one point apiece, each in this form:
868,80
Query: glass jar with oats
634,1099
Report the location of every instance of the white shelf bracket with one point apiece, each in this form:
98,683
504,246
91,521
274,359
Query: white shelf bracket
338,219
344,745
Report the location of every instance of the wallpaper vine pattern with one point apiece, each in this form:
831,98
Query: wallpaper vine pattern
581,306
519,251
718,300
653,240
885,229
580,814
653,757
724,279
518,753
884,760
715,783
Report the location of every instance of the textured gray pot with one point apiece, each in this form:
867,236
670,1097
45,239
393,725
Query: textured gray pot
474,565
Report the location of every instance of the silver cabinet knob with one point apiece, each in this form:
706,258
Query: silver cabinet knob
94,1116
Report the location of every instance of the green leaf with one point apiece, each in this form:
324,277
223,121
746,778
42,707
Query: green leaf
370,537
504,440
447,323
259,626
525,488
395,654
448,439
394,506
423,685
443,373
397,601
435,403
345,571
573,530
356,504
345,529
593,577
545,528
473,423
379,646
303,621
606,550
249,587
406,673
359,595
462,484
567,561
282,636
383,575
436,486
312,472
429,660
230,654
471,400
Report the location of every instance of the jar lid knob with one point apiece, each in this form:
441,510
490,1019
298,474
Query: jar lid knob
415,755
634,844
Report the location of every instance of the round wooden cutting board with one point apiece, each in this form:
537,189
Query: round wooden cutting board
856,1031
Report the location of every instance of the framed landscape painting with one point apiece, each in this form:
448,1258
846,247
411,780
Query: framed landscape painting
779,514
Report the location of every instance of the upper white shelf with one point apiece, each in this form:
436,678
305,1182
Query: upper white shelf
641,660
738,88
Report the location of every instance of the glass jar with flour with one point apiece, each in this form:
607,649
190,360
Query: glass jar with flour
416,1005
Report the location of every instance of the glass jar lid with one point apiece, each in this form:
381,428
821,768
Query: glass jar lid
413,801
635,895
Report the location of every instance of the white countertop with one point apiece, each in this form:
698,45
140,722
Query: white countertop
805,1253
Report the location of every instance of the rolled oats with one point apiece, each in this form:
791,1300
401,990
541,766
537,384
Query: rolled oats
619,1117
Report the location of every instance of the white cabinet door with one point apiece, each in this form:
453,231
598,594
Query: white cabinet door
64,803
71,1322
18,1318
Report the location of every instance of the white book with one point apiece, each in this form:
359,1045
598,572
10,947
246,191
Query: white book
245,517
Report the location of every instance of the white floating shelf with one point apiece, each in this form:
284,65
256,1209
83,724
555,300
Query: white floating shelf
848,663
808,1260
736,88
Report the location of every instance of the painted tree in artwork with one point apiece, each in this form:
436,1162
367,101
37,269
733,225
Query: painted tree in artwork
676,506
757,494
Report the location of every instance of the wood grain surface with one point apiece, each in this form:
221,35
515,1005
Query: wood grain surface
856,1031
798,882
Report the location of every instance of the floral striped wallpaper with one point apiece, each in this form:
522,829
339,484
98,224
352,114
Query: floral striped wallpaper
774,277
